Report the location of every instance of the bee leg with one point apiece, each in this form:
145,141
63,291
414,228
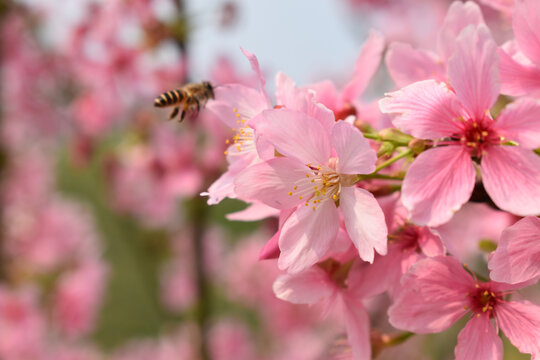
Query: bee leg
184,111
174,113
198,105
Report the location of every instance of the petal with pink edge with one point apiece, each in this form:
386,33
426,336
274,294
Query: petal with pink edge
358,328
459,16
254,62
355,155
517,258
271,249
407,65
520,121
364,221
430,242
270,182
526,24
520,322
365,67
511,177
479,341
307,235
302,100
432,296
307,287
294,134
473,70
427,109
518,79
326,93
437,184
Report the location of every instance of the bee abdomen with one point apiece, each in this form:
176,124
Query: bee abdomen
169,98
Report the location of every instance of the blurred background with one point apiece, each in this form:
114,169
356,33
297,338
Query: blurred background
107,251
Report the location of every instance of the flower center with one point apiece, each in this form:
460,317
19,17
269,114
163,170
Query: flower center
406,237
478,135
320,183
483,300
242,141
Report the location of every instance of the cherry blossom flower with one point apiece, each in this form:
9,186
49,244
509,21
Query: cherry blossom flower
407,65
520,59
437,291
317,172
407,244
78,297
441,179
22,325
517,258
338,286
346,102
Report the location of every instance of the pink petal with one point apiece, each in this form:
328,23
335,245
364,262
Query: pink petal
520,322
407,65
307,287
254,212
430,242
526,24
517,258
270,182
473,70
327,94
518,79
511,177
355,155
437,184
358,328
247,101
479,341
307,235
432,296
294,134
373,279
271,249
256,68
302,100
365,67
505,6
459,16
428,109
364,221
520,121
221,188
472,223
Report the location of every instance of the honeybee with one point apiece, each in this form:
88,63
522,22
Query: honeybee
187,100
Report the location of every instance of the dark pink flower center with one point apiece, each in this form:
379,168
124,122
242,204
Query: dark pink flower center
483,300
406,238
478,135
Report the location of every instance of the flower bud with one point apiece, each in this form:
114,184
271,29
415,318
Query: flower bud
417,145
395,136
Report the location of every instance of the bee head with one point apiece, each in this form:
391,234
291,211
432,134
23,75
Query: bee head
208,86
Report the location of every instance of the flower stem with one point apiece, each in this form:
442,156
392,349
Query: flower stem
393,160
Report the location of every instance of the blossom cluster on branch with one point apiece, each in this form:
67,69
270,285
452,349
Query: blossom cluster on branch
361,194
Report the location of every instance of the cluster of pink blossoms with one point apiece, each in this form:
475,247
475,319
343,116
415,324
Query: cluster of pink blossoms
363,212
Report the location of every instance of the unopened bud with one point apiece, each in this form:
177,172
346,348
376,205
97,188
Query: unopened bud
386,148
395,136
417,145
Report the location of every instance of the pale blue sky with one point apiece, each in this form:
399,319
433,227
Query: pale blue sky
307,39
